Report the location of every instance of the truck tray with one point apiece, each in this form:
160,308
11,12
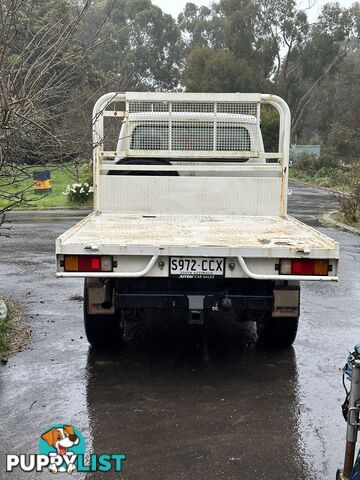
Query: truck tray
252,236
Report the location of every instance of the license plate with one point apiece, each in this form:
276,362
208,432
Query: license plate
197,267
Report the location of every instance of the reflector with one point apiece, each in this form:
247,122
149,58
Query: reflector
106,264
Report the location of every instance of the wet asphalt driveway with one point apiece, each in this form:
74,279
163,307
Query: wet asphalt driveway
180,408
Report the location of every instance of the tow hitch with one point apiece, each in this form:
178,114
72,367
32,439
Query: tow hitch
196,309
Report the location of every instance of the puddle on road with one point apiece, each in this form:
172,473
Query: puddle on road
183,407
211,398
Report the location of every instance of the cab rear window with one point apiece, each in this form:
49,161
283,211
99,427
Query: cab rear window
193,137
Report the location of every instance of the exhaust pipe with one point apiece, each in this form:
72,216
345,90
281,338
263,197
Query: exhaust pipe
108,290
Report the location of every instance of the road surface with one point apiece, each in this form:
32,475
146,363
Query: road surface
217,408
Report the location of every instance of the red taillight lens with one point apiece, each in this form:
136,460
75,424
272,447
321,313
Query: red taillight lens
304,266
88,263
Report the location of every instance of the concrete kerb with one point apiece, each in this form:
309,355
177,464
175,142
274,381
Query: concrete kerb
328,219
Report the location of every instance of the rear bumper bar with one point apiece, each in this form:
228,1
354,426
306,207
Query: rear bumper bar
241,261
199,302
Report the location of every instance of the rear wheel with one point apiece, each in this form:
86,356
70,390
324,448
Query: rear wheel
102,331
277,332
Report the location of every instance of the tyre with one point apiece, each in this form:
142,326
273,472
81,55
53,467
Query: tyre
277,332
102,331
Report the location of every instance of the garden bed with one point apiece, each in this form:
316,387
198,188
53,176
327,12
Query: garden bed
15,336
61,177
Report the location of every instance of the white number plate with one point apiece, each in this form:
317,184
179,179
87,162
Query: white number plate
197,267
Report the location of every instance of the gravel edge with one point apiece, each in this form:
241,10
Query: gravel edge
328,219
17,335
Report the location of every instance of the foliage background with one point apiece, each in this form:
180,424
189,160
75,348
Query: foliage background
58,56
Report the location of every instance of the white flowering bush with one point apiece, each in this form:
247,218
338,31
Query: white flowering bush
78,193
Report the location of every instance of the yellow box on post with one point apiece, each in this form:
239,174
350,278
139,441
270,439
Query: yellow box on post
42,182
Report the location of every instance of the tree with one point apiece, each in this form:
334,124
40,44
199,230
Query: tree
267,44
218,71
41,60
56,58
328,42
223,37
147,54
201,27
337,101
252,33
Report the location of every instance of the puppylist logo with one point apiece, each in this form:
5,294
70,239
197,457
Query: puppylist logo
62,450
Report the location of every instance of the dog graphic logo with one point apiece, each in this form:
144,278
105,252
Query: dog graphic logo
62,441
62,449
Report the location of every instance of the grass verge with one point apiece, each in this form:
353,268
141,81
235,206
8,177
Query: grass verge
323,182
14,334
61,177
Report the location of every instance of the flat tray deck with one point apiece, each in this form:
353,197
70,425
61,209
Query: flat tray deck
137,234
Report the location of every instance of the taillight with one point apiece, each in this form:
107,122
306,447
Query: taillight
304,266
88,263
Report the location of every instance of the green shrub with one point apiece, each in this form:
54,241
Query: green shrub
328,158
86,173
270,128
326,165
306,163
350,204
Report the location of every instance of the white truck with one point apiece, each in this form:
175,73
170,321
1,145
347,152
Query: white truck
190,216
